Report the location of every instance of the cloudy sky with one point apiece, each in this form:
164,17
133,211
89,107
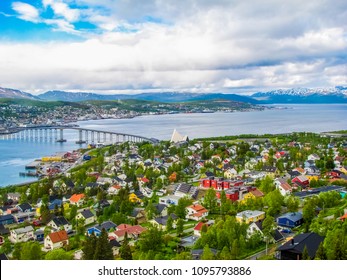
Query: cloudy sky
130,46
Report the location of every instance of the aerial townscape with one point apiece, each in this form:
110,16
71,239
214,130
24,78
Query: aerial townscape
163,130
239,197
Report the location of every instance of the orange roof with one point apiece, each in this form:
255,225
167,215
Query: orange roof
58,236
77,197
344,217
257,193
197,207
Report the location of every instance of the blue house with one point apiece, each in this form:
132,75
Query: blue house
108,225
55,203
290,220
6,219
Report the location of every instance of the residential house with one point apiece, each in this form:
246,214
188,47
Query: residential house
39,235
86,216
113,190
294,248
77,199
115,245
55,240
199,225
249,216
6,219
283,186
252,194
290,220
184,189
161,222
139,215
257,227
24,207
107,226
15,197
301,181
196,212
133,232
230,173
169,200
270,170
58,223
4,230
161,209
313,157
22,234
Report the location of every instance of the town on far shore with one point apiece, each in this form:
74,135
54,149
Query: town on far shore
277,197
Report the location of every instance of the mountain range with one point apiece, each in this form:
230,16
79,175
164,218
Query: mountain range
289,96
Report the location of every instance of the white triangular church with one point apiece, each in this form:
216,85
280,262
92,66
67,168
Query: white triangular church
177,137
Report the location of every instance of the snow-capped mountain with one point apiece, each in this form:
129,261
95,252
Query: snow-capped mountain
304,95
14,93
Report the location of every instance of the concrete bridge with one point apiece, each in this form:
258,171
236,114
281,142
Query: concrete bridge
85,135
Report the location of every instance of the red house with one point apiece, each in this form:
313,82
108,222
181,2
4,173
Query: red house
301,181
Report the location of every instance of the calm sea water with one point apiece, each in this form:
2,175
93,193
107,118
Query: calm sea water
15,154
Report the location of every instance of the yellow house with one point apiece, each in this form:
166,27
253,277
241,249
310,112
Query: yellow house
312,177
343,170
250,216
230,173
134,199
252,195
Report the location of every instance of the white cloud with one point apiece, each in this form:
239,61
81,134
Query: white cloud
194,46
26,12
61,9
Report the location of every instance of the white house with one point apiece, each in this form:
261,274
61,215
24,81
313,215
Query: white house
22,234
56,240
196,212
283,187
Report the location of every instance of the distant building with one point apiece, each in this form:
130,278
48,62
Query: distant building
177,137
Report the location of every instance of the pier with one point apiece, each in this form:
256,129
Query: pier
56,133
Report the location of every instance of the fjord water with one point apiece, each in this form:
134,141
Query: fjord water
15,154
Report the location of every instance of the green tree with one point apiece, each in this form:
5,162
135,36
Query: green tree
179,227
274,201
31,251
210,199
125,250
305,255
269,227
58,254
103,249
207,254
169,223
320,254
180,209
292,203
267,184
89,247
151,239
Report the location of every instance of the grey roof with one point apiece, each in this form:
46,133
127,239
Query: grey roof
23,229
86,213
24,206
160,207
106,225
60,221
